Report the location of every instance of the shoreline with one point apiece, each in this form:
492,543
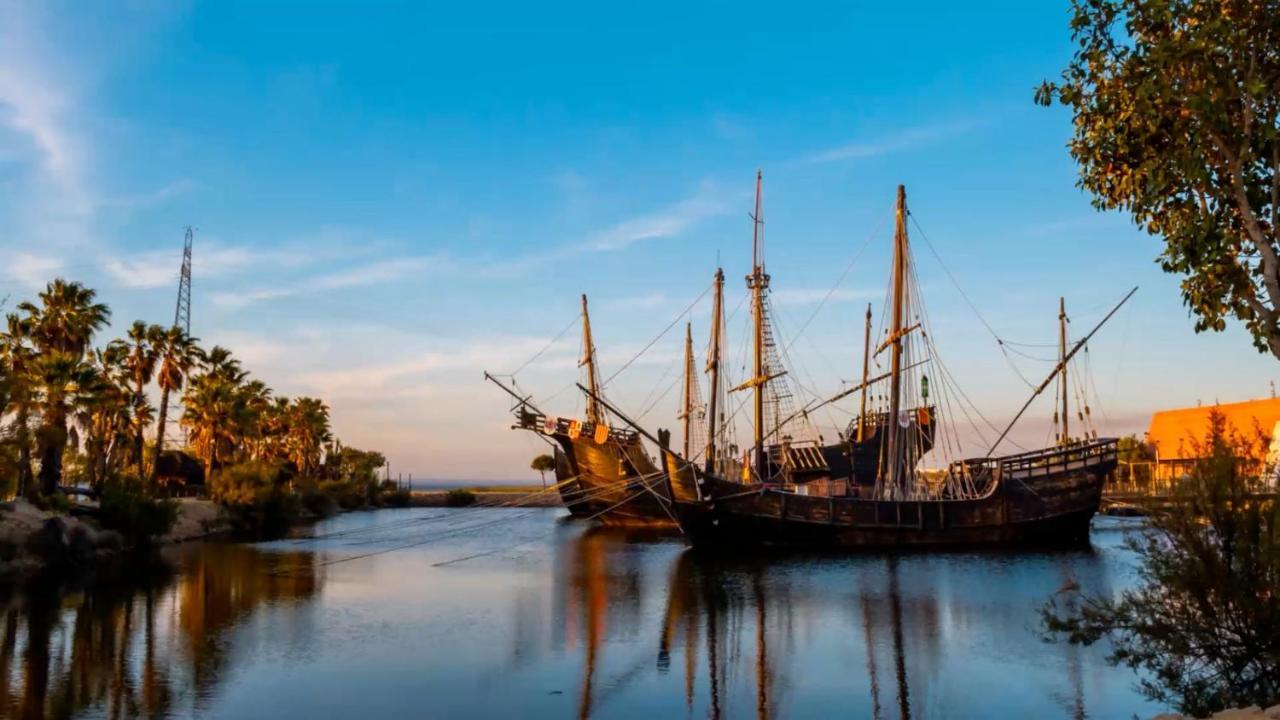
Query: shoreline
532,498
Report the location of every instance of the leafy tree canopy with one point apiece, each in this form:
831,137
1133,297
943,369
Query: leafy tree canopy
1175,121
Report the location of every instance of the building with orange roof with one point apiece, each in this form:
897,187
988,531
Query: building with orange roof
1174,435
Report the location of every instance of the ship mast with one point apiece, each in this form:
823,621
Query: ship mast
686,410
595,413
713,370
896,478
866,362
1062,360
758,282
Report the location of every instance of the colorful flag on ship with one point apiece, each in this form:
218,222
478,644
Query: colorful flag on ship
575,429
602,433
550,424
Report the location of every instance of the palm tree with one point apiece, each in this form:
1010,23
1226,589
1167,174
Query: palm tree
16,359
177,354
66,318
219,362
308,432
258,419
542,464
137,356
106,412
209,415
61,328
63,378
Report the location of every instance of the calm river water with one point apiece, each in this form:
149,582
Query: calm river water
438,613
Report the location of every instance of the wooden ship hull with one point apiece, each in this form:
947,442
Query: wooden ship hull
615,482
572,494
1045,497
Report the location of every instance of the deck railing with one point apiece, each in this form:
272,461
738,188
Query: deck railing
538,422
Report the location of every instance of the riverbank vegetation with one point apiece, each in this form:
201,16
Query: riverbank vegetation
1203,621
84,415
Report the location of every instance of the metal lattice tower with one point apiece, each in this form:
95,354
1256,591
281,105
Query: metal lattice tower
182,313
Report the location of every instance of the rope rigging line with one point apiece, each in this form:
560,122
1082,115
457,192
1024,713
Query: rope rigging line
840,280
546,347
956,284
675,321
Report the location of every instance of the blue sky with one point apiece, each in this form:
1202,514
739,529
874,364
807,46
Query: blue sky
391,198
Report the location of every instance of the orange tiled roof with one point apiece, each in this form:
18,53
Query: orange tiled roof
1172,431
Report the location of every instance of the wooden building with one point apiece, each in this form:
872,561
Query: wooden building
1175,434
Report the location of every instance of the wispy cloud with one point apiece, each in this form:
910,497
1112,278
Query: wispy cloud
33,270
159,268
902,140
36,106
811,296
464,356
381,271
648,301
152,198
666,222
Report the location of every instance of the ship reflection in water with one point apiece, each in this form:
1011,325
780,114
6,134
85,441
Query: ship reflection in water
570,621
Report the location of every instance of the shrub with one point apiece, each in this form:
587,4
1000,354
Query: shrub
459,498
391,495
348,495
56,503
1204,619
258,495
139,518
316,502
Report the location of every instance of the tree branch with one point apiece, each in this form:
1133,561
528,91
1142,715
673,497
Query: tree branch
1275,185
1270,262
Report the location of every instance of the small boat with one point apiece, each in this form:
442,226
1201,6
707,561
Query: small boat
795,495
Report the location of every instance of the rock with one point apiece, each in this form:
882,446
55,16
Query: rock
1272,713
1253,712
1171,716
197,519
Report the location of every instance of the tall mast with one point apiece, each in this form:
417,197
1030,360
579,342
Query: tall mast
686,410
758,282
896,475
595,413
713,370
866,363
1062,360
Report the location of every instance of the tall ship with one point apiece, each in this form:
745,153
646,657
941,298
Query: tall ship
602,472
868,490
786,451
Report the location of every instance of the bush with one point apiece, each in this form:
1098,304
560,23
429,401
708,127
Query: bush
317,503
139,518
1204,619
391,495
348,495
57,503
258,495
459,498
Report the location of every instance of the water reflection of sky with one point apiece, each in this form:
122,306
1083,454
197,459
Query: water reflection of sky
551,619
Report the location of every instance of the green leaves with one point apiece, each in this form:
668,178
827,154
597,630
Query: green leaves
1175,106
